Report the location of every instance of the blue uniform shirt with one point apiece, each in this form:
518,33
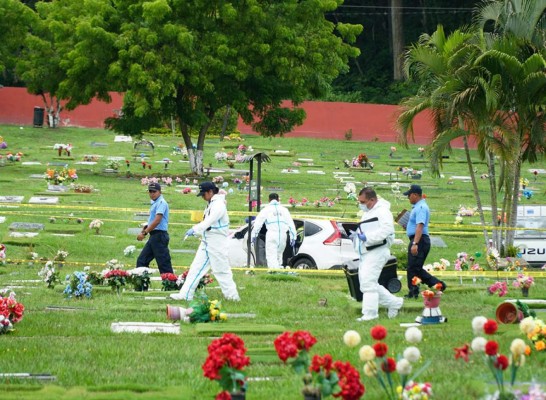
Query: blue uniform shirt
159,206
420,214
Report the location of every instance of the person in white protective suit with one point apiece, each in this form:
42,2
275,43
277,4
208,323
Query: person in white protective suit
213,251
278,222
373,240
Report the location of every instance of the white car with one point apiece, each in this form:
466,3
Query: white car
320,244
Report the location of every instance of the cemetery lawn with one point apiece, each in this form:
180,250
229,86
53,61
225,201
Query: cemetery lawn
70,344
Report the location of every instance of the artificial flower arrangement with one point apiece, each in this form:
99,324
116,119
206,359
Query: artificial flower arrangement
204,281
11,311
500,288
77,285
114,275
129,250
378,365
14,157
49,275
225,363
204,310
496,362
322,376
54,177
113,164
169,282
61,255
79,188
492,258
96,224
393,150
535,330
350,189
140,278
220,156
2,253
523,281
360,161
467,211
441,265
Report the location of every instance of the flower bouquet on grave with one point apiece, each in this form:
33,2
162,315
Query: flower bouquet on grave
129,250
96,224
49,275
378,365
54,177
114,276
140,278
79,188
169,282
201,309
499,288
77,285
225,363
60,257
535,330
496,362
203,282
350,189
2,253
11,312
112,164
524,282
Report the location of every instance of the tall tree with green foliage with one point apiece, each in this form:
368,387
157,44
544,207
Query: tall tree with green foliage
186,59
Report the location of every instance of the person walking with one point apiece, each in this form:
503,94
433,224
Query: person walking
279,223
374,237
158,222
213,251
419,242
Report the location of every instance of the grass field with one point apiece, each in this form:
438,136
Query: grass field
72,340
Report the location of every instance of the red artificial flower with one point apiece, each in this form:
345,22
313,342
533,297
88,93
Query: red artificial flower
169,276
380,349
349,381
304,340
491,348
378,332
501,362
389,365
415,281
490,327
285,346
319,362
462,352
223,396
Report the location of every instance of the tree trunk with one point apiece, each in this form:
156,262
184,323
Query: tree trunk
494,200
397,38
225,122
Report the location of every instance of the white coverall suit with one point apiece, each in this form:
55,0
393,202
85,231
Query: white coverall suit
278,221
212,252
378,226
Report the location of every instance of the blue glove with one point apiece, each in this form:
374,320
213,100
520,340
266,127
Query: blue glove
362,237
190,232
292,243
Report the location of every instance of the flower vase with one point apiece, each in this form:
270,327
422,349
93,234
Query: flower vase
432,302
238,396
525,291
142,287
312,396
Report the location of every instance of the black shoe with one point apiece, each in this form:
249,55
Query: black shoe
411,296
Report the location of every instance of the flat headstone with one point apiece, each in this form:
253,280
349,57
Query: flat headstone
86,162
31,163
462,178
154,298
98,144
293,171
43,200
11,199
134,231
64,308
57,188
539,170
141,216
24,375
110,171
2,220
26,226
437,241
240,315
23,234
188,251
305,159
36,176
316,172
57,164
116,158
62,234
123,138
282,151
145,327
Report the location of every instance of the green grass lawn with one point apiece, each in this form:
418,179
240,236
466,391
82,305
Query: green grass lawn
72,340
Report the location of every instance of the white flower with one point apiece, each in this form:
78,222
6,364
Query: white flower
527,325
517,347
412,354
129,250
403,367
351,338
86,268
366,353
478,344
413,335
477,324
141,270
519,361
428,267
370,369
350,187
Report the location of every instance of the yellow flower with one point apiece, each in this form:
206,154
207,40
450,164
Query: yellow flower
540,345
223,317
214,312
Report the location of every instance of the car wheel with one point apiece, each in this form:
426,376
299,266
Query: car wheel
394,285
304,263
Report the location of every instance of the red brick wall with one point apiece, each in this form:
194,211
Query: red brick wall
324,119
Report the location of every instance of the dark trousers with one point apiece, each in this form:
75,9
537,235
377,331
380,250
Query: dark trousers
156,247
415,265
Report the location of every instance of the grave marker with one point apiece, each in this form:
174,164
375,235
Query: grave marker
123,138
145,327
2,220
36,176
98,144
134,231
43,200
31,163
57,164
23,234
11,199
26,226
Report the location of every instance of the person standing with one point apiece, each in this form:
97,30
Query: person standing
278,222
158,222
419,242
375,235
213,251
